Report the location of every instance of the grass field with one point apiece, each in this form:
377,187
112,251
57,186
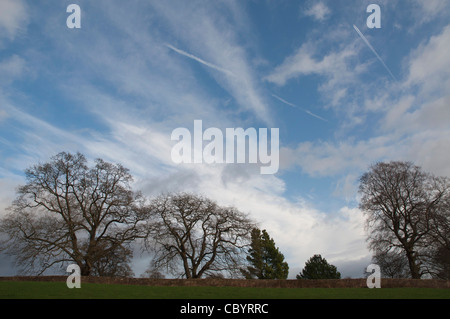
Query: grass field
59,290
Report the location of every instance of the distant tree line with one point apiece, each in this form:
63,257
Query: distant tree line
68,212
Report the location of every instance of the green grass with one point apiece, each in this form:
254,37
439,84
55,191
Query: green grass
59,290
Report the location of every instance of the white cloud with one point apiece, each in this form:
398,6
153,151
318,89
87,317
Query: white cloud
298,228
330,159
13,16
426,147
430,9
413,117
318,11
339,69
429,65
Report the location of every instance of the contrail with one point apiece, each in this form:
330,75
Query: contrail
304,110
373,50
193,57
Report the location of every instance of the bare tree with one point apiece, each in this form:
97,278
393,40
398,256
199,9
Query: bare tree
70,213
401,203
393,264
192,236
114,264
438,242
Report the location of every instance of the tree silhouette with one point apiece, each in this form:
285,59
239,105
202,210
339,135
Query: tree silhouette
266,261
192,236
408,213
318,268
68,212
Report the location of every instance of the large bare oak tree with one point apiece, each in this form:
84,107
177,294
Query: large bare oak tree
407,214
68,212
192,236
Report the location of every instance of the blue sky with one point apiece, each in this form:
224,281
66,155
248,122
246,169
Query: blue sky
136,70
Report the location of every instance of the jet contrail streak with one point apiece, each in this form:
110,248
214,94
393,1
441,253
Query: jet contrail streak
193,57
373,50
304,110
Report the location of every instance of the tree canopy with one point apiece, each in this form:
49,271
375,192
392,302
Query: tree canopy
266,261
318,267
196,233
68,212
408,216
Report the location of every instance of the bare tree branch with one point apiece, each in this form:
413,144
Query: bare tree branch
407,213
194,233
68,212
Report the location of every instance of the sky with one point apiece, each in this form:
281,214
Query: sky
342,94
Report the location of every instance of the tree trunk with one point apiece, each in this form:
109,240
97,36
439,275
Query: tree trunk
413,267
85,269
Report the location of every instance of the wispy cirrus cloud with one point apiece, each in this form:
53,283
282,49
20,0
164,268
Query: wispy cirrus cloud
306,60
221,48
413,120
339,70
